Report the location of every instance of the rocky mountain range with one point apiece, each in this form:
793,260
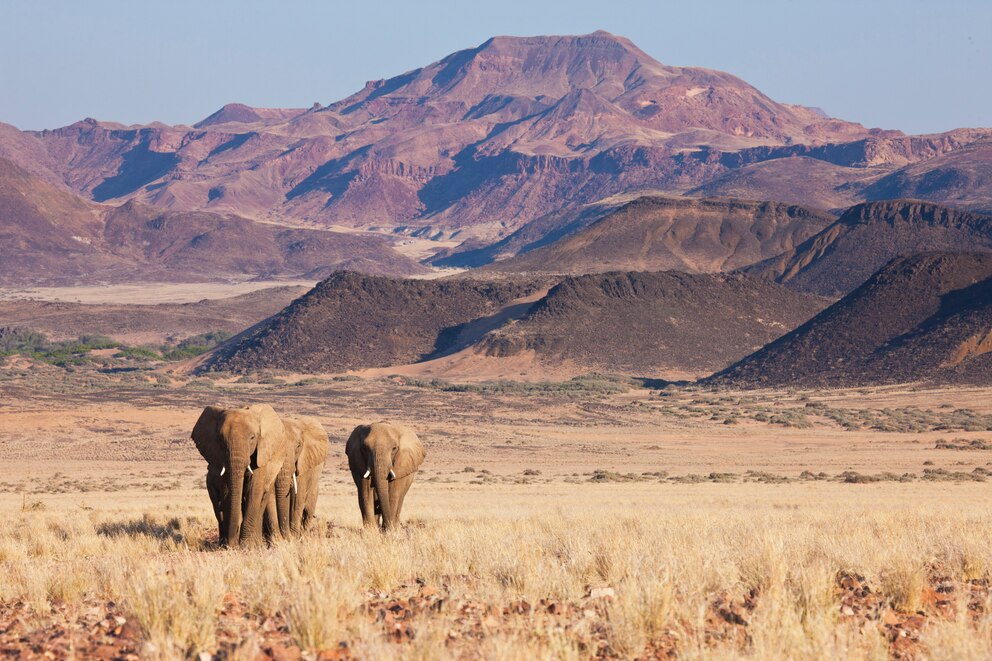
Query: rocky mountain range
493,139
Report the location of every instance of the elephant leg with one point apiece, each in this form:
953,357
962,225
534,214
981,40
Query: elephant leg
256,501
397,492
270,527
215,491
304,502
283,493
366,503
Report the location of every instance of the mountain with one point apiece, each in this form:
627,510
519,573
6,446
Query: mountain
866,236
351,321
668,324
926,317
661,233
480,141
518,132
50,236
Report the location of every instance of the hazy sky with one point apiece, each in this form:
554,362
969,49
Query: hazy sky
907,64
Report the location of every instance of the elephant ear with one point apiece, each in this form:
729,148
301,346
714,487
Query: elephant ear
271,433
294,432
409,456
353,448
206,435
315,442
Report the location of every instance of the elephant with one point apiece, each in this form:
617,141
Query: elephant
245,449
383,459
311,444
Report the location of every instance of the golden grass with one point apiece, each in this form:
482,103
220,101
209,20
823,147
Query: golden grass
668,554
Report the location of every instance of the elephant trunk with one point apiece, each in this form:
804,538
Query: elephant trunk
380,479
237,467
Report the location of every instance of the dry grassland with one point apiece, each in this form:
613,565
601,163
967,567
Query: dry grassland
548,522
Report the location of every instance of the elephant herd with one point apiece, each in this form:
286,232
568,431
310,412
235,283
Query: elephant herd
263,471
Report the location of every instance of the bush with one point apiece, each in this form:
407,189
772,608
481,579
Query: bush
195,345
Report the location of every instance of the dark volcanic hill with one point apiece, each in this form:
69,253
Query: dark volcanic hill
351,321
669,324
663,324
660,233
926,317
50,236
866,236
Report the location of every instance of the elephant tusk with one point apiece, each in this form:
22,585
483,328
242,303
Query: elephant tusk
368,471
392,475
250,471
295,487
223,469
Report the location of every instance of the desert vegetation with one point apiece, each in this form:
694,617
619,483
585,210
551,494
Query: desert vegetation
779,577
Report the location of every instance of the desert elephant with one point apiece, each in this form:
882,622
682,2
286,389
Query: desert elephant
383,459
308,437
244,449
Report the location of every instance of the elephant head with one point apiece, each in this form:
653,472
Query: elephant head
243,448
311,444
383,459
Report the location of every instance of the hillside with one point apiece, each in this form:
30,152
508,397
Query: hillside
668,324
795,180
659,233
351,321
926,317
868,235
50,236
962,178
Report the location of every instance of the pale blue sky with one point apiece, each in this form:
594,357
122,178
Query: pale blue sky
907,64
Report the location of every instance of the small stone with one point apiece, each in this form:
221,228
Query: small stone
602,593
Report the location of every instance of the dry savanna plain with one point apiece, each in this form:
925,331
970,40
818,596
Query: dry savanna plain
599,517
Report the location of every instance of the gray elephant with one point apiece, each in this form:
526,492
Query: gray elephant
310,443
383,458
245,449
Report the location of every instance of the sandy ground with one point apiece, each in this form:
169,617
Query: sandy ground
83,428
147,293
